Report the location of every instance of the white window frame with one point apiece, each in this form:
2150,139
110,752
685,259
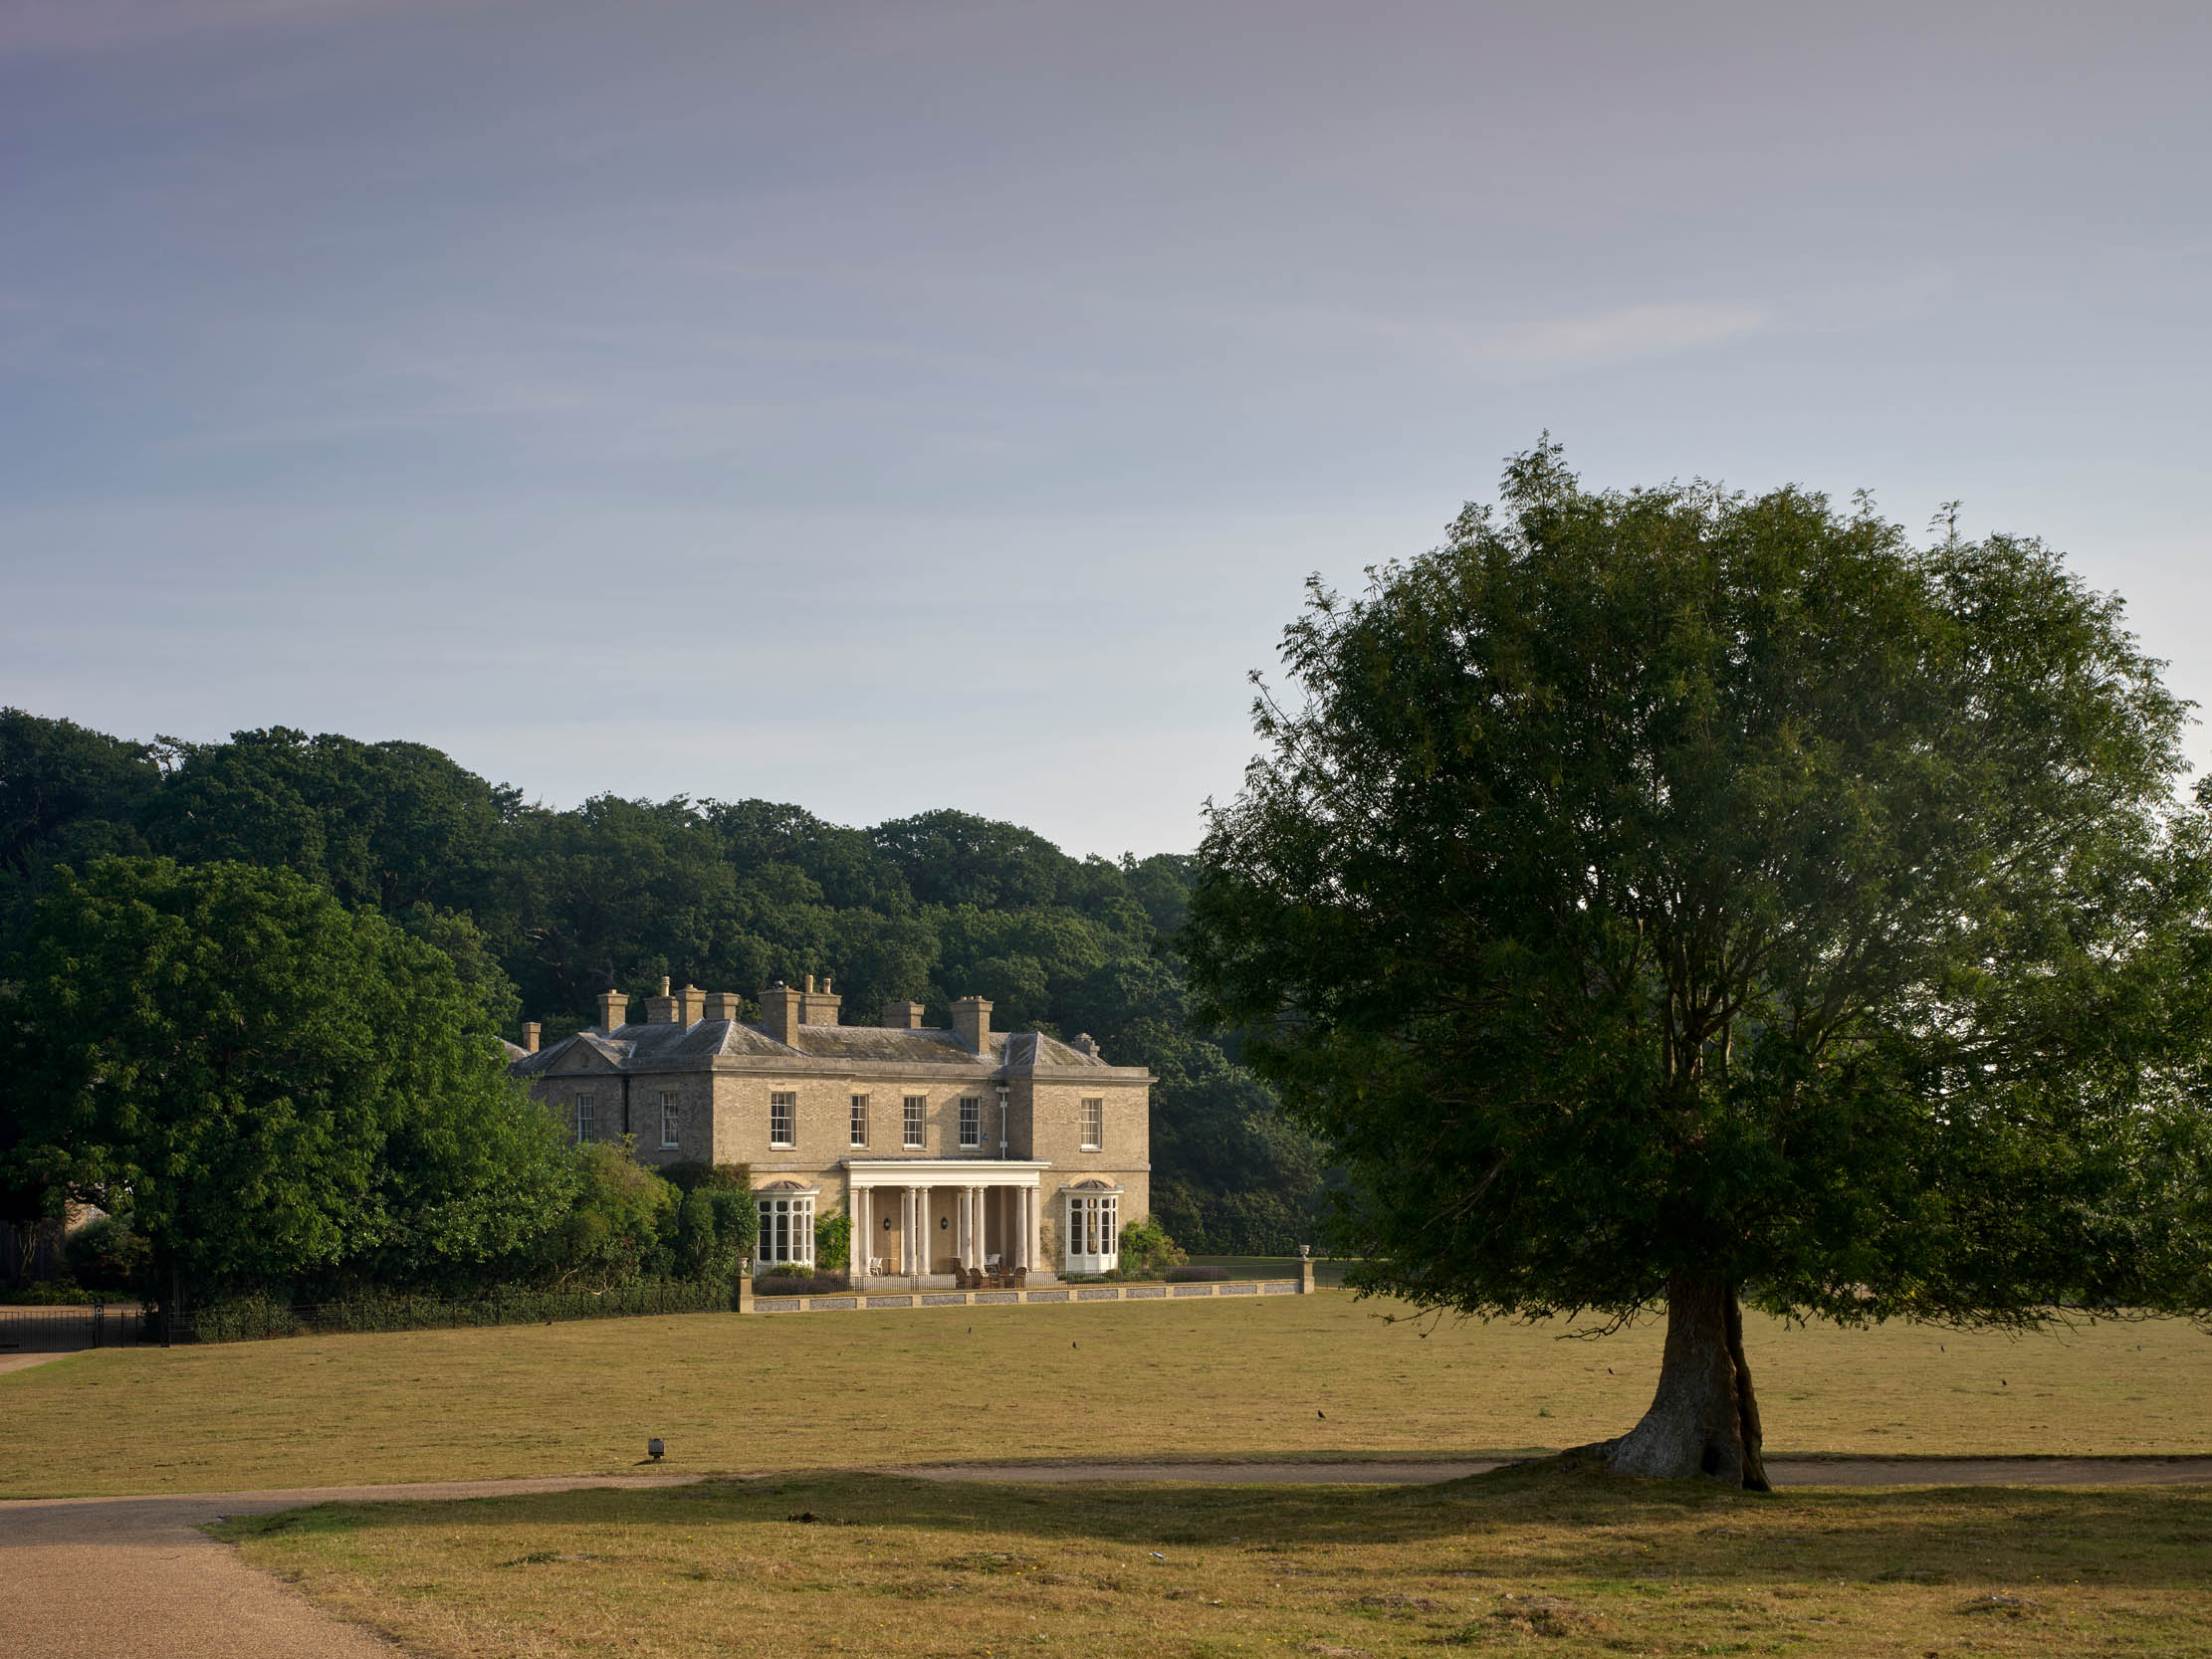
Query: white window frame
971,1121
588,1117
1094,1123
1093,1232
914,1123
786,1230
672,1122
858,1135
785,1101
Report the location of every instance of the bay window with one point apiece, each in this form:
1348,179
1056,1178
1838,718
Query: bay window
786,1229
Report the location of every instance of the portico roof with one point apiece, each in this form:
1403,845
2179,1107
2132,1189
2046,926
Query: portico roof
945,1172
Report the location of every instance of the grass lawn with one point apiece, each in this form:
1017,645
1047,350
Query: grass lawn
1564,1565
1202,1379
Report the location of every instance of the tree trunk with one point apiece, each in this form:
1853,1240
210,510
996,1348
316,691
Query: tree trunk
1704,1418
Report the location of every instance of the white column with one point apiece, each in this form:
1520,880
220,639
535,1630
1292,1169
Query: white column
976,1233
861,1236
921,1230
967,1207
1031,1241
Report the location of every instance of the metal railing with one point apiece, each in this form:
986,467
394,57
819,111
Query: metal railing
256,1319
64,1330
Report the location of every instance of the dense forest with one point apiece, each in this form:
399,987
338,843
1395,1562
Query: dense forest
541,909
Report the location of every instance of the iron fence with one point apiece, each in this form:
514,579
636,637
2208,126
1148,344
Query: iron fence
256,1319
64,1330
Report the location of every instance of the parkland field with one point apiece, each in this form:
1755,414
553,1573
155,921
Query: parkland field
803,1540
1315,1377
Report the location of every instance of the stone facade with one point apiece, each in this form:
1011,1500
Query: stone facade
1017,1150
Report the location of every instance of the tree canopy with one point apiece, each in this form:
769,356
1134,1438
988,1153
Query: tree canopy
266,1084
540,910
1676,897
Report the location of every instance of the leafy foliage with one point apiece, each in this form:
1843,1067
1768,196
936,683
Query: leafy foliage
1679,883
266,1084
1146,1251
833,1242
540,911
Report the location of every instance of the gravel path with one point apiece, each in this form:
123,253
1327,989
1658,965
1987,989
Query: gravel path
24,1361
101,1577
135,1578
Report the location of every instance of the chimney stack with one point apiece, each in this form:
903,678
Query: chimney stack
903,1016
532,1031
690,1005
819,1008
662,1009
614,1012
780,1009
972,1020
722,1005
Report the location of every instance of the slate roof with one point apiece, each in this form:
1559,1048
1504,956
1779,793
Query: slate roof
640,1047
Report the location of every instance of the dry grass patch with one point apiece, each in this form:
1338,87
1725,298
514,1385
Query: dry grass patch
877,1565
1202,1379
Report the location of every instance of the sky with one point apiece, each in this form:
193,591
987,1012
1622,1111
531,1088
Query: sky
887,407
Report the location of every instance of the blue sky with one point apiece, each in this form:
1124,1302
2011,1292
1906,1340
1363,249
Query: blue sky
893,406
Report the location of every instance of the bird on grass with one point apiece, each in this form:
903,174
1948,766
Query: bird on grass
1322,1415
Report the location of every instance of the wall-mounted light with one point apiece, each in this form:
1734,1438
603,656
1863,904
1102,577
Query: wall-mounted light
943,1222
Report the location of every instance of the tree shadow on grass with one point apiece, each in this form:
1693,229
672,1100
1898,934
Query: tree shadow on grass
1544,1523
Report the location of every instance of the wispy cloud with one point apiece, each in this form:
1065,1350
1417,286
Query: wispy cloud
1615,336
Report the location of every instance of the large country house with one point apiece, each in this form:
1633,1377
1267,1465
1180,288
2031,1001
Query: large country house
953,1150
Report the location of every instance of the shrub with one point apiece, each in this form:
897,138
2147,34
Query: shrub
1146,1251
51,1293
833,1241
790,1280
106,1255
243,1317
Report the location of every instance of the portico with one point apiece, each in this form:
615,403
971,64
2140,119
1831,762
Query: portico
931,1217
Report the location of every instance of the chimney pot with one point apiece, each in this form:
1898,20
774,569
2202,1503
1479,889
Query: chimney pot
818,1007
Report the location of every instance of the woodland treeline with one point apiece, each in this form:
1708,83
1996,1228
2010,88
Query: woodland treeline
541,909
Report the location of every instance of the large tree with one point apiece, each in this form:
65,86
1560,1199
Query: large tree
1678,898
267,1085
